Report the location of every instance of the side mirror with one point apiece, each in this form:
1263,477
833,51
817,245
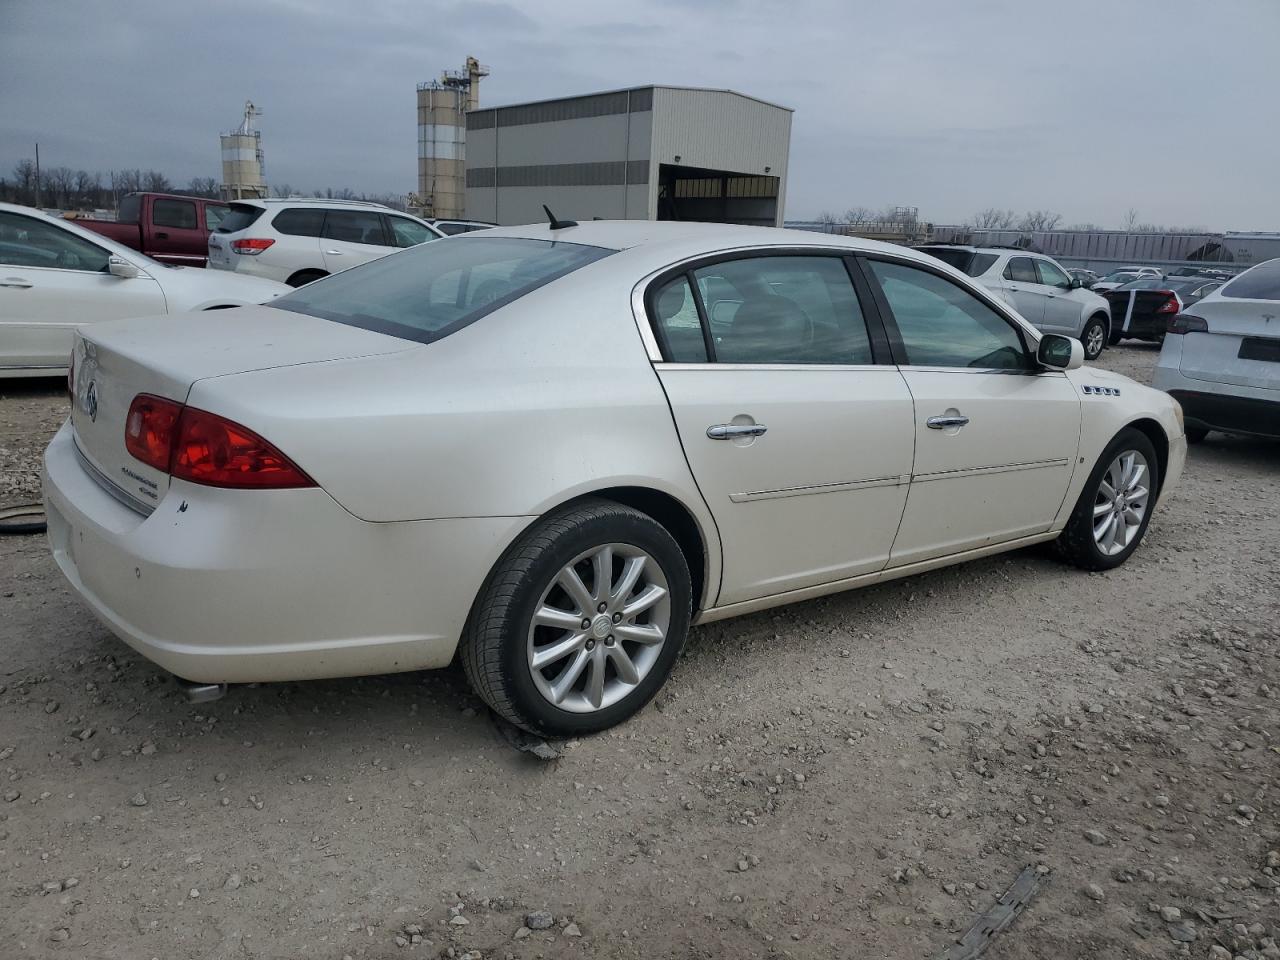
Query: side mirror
1076,283
1060,353
122,268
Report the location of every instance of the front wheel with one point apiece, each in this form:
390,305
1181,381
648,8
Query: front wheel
581,621
1114,508
1196,434
1094,337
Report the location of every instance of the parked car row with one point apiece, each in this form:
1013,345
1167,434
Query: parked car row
167,227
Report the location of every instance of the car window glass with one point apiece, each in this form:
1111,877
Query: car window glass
179,214
409,233
239,216
213,214
942,325
299,221
1021,270
784,309
27,242
675,319
354,226
1258,283
1051,275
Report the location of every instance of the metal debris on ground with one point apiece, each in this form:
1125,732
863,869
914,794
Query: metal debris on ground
525,741
1002,913
22,518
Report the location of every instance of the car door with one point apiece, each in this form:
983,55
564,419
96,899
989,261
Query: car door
799,439
1024,289
1062,311
996,435
352,237
53,280
176,236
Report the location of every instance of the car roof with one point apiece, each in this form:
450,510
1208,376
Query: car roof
971,248
310,202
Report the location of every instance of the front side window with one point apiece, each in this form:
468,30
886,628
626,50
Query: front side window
1257,283
430,291
409,233
1021,270
299,222
354,226
27,242
942,325
783,309
1051,275
179,214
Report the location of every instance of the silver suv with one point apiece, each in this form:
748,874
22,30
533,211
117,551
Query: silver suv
1037,287
296,241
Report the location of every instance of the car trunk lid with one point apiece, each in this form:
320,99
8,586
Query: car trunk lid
115,362
1241,346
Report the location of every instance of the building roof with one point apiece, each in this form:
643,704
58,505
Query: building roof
643,86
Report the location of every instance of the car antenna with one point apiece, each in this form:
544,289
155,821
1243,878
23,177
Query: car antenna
558,224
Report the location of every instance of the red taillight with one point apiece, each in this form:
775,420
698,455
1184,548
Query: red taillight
204,448
219,453
149,430
251,246
1182,323
1170,305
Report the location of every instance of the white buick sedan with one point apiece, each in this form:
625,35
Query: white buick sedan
549,450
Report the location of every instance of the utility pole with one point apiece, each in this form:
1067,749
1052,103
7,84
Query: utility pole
37,175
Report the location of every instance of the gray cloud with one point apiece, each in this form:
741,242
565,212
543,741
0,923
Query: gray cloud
1088,108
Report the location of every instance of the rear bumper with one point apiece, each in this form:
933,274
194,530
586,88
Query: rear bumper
1230,414
224,586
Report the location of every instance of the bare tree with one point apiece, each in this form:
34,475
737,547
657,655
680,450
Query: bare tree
1034,220
1131,219
61,182
858,214
282,189
153,181
24,174
992,218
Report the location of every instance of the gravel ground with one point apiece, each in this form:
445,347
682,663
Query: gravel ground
856,776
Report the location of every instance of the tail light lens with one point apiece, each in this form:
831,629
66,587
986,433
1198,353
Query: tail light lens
149,430
1186,323
202,447
251,246
1170,305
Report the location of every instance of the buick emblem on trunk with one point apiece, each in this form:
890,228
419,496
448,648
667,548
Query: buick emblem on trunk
91,400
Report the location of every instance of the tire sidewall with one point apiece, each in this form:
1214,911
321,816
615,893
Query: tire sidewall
1127,439
624,527
1084,336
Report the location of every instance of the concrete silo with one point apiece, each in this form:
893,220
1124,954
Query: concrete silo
442,139
242,173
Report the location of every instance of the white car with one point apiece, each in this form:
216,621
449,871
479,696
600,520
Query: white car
549,450
451,228
56,276
1035,286
1221,359
296,241
1124,275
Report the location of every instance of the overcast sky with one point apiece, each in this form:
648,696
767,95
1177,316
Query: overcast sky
1085,107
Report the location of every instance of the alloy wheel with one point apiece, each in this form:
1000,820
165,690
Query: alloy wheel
1121,502
1095,343
599,627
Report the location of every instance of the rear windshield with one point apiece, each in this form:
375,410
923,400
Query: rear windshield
238,217
128,212
1259,283
429,291
1145,283
966,261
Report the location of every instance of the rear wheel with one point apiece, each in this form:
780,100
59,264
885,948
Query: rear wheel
581,622
1114,508
303,277
1094,337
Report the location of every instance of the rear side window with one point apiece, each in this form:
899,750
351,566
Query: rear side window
239,216
129,206
213,214
179,214
433,289
966,261
1259,283
299,222
1021,270
354,226
675,320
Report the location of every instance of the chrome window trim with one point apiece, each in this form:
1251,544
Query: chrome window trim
1005,371
829,367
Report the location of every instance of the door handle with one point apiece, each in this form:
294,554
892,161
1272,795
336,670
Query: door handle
162,236
941,423
15,282
333,253
1014,289
727,431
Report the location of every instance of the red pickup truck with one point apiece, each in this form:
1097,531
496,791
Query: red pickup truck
170,228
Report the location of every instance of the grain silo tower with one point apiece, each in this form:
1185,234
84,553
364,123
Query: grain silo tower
242,174
442,139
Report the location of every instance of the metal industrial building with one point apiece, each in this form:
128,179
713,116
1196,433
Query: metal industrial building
655,152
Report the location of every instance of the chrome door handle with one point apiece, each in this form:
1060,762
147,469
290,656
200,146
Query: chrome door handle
727,431
941,423
15,282
333,253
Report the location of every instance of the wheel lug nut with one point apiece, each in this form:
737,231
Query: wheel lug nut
608,641
617,618
602,608
591,644
586,624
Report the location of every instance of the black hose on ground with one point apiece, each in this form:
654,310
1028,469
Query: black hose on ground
22,518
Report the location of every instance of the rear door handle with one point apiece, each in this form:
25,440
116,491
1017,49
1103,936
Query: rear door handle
333,253
941,423
162,236
15,282
727,431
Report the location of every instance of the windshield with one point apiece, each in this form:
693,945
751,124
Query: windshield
429,291
1119,276
966,261
1257,283
1145,283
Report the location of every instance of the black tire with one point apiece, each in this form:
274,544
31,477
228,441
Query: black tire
303,277
493,649
1196,434
1076,544
1114,338
1099,323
